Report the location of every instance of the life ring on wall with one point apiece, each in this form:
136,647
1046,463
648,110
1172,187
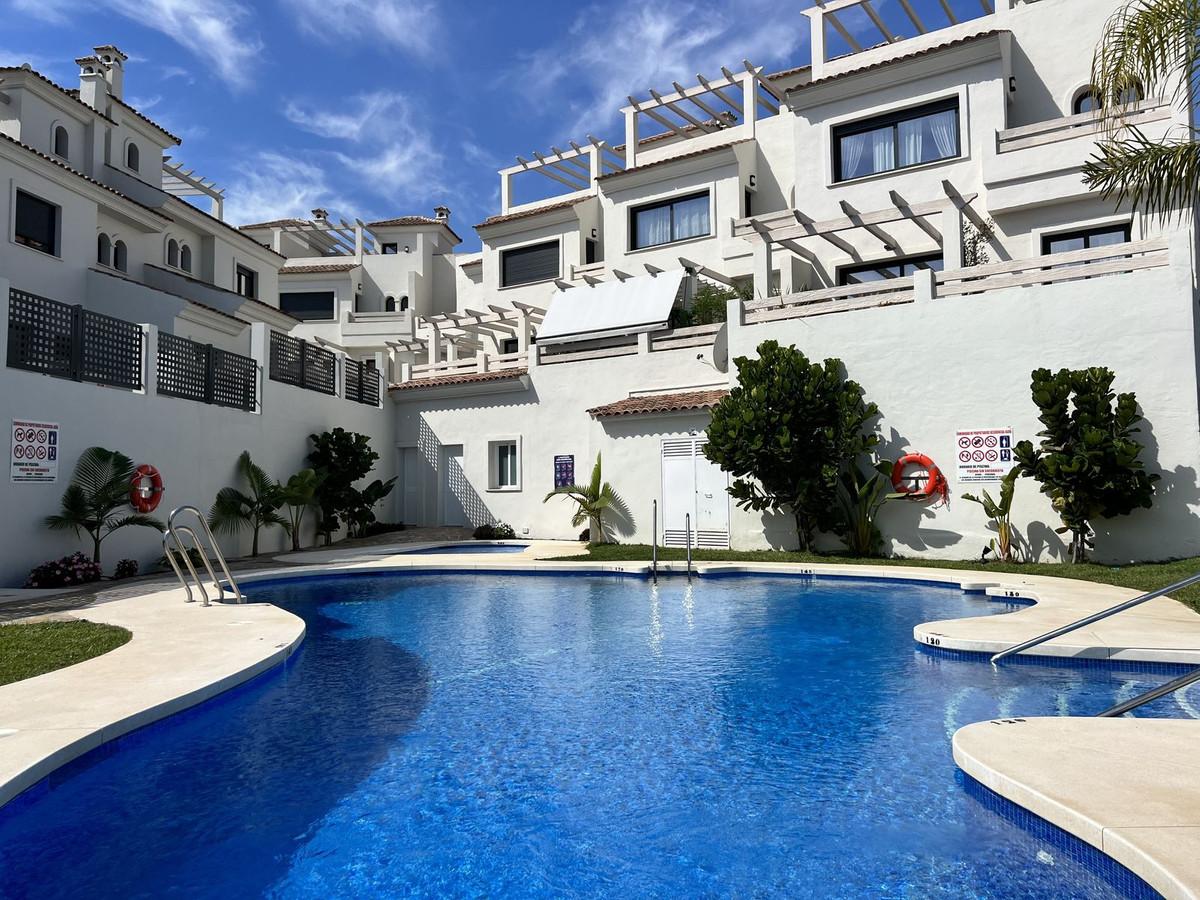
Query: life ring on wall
145,488
935,483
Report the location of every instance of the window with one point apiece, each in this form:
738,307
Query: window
389,304
504,465
104,250
896,141
888,268
246,282
307,305
120,256
509,345
62,142
526,265
591,251
185,258
749,203
669,221
132,157
404,302
391,249
1087,101
36,223
173,253
1086,238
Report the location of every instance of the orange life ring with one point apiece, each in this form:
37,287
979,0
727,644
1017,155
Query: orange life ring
935,483
145,489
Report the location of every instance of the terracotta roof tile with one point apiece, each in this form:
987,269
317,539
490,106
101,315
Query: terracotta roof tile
87,178
527,213
317,269
146,119
661,403
676,158
412,220
468,378
73,94
274,223
190,207
912,54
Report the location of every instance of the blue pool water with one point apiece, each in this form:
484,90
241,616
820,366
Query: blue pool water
450,549
454,735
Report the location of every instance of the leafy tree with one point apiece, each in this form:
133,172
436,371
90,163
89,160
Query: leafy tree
1000,512
234,510
860,497
1150,47
787,432
1087,462
592,501
298,494
341,459
99,490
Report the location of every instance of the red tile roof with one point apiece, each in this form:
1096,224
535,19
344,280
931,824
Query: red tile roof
73,94
468,378
412,220
676,158
527,213
146,119
275,223
912,54
317,269
192,208
658,404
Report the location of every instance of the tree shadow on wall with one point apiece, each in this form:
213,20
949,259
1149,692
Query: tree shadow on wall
900,521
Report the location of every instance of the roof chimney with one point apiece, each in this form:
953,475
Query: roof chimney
442,213
114,68
320,214
93,83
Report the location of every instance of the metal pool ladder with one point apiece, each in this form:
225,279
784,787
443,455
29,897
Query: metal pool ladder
1133,703
173,547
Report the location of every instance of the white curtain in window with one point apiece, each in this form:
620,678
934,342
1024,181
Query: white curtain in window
912,141
691,218
853,146
653,226
883,150
944,128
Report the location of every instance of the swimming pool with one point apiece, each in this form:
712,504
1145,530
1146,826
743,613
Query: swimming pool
504,735
481,547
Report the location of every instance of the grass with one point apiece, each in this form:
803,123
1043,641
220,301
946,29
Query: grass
1137,576
40,647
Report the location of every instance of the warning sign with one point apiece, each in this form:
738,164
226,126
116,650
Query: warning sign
984,454
34,454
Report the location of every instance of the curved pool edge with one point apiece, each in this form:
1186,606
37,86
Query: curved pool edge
180,655
1128,787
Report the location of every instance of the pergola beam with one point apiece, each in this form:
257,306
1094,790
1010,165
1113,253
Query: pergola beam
701,269
913,17
806,227
949,11
879,23
889,243
902,205
717,90
682,113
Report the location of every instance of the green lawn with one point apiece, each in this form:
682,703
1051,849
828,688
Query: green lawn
39,647
1140,576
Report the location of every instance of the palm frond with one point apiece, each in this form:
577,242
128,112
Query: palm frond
1162,178
230,512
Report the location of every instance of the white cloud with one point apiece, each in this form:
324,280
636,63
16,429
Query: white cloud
215,31
274,186
412,25
614,51
345,124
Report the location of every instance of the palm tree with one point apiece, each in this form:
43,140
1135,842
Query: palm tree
298,494
1151,48
591,502
234,511
98,490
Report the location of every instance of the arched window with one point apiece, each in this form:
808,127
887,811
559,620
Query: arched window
132,157
120,258
1085,101
404,302
103,250
185,258
62,142
173,253
389,304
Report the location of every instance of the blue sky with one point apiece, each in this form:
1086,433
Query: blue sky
376,108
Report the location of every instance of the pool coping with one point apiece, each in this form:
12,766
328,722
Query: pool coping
1053,601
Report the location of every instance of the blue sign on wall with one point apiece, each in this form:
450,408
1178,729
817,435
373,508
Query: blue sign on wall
564,471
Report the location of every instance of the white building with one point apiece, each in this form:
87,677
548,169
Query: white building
912,206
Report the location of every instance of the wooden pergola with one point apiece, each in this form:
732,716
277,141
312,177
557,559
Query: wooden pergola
186,183
576,168
469,328
829,10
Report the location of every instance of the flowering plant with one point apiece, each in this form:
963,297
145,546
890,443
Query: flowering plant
70,570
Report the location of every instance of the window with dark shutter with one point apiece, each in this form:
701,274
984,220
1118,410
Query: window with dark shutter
307,305
36,223
525,265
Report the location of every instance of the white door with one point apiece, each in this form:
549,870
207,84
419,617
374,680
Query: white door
454,486
693,486
412,509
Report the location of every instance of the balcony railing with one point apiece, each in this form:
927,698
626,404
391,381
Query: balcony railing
1084,124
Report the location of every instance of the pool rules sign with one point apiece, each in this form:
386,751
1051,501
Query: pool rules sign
34,454
984,454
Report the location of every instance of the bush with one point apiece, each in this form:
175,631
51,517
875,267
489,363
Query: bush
504,532
126,568
70,570
375,528
484,532
586,535
192,553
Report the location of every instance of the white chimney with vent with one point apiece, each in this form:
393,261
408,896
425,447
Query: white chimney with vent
93,83
114,68
442,214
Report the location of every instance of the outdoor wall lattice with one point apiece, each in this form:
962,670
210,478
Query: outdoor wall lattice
205,373
362,382
295,361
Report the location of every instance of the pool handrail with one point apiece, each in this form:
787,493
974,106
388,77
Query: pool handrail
1096,617
173,535
687,527
1153,694
654,541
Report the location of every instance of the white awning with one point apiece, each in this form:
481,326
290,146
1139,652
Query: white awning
611,308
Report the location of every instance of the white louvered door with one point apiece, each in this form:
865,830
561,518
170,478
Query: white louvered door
693,485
